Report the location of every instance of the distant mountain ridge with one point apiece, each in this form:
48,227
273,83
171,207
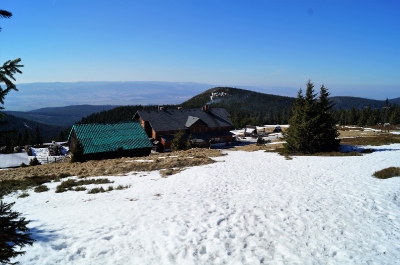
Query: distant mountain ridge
242,99
61,116
219,95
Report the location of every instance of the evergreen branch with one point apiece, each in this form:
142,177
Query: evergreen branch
7,72
5,14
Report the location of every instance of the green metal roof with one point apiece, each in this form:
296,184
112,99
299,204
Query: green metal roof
98,138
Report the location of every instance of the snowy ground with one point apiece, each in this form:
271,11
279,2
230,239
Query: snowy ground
249,208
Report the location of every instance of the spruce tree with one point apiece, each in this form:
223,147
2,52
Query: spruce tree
61,136
13,233
312,128
179,142
294,133
395,117
26,138
38,136
327,133
78,152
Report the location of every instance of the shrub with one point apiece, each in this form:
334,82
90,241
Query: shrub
23,195
66,185
80,188
261,141
121,187
34,162
96,190
11,185
110,188
71,183
41,188
386,173
23,165
13,233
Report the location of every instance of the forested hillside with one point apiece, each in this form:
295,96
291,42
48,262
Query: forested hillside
23,131
360,103
245,106
369,116
124,113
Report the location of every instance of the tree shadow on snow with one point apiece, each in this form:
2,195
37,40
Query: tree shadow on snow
386,149
364,150
41,234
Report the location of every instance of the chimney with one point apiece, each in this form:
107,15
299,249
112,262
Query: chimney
160,108
206,108
179,108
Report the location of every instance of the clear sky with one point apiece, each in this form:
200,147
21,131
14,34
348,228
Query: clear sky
342,44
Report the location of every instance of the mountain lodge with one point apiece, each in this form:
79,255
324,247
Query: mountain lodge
205,125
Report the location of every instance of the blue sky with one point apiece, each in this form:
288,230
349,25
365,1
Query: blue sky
346,45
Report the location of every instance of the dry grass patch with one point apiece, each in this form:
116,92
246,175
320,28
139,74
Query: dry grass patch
41,188
113,167
23,195
264,147
169,171
376,139
386,173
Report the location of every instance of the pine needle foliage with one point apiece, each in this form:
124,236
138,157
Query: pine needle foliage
77,152
13,233
312,128
7,72
179,142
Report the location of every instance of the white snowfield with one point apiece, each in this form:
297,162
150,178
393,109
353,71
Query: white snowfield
248,208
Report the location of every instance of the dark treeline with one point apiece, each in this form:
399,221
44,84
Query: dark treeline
118,114
17,131
369,116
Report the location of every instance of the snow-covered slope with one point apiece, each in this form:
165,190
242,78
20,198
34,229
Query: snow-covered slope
249,208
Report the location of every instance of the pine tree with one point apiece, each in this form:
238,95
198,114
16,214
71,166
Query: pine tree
395,117
312,128
327,133
294,133
78,152
26,138
5,14
7,72
61,136
38,137
179,142
13,233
